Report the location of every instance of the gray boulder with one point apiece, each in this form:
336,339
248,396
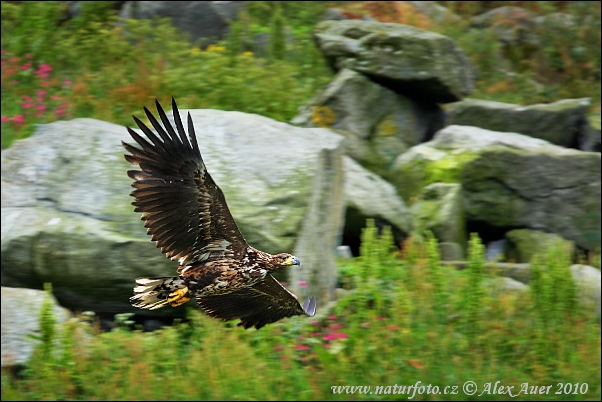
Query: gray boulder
417,63
67,218
556,21
510,25
440,210
500,285
510,181
494,250
378,123
20,318
523,244
373,197
434,11
592,142
333,14
562,123
552,189
587,279
443,158
451,251
204,20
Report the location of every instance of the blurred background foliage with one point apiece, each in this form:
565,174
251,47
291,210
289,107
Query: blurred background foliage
96,65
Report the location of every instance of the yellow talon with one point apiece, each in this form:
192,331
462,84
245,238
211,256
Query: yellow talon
178,297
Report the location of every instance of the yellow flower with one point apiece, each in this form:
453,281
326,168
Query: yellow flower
247,54
215,48
194,50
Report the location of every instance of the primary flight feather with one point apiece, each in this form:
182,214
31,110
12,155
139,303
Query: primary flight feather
186,214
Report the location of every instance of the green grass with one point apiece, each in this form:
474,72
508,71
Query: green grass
406,319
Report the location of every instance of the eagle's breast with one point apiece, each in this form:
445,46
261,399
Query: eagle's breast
227,275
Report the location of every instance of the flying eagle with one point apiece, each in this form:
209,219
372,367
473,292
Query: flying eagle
186,214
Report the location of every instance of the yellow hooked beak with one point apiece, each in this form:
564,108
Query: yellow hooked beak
292,260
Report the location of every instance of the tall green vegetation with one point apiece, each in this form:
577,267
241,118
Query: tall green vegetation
94,65
474,292
47,321
402,320
277,37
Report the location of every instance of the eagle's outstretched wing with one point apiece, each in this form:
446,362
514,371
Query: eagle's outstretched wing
184,211
263,303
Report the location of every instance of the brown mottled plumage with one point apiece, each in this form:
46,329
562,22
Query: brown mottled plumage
186,214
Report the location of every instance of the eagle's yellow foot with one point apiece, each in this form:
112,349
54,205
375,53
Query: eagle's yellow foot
178,297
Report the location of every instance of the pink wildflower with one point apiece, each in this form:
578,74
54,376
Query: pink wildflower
335,335
365,324
392,327
10,71
67,83
314,323
379,318
312,334
54,97
26,66
301,347
41,93
19,119
278,347
26,105
5,119
336,327
332,317
41,108
302,284
28,56
44,68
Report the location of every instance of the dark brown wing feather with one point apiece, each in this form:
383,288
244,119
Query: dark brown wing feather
263,303
184,210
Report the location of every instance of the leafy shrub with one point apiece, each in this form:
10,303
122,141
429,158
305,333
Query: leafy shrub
115,67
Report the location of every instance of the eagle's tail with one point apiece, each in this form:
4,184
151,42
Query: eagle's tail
154,293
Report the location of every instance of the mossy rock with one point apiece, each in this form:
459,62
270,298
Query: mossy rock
523,244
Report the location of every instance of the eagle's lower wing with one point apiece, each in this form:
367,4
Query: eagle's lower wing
184,211
263,303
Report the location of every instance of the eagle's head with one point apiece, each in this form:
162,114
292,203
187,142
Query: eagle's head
284,260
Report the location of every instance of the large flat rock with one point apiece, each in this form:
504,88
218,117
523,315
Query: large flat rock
67,216
417,63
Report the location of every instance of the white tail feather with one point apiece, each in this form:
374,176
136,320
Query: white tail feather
152,293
